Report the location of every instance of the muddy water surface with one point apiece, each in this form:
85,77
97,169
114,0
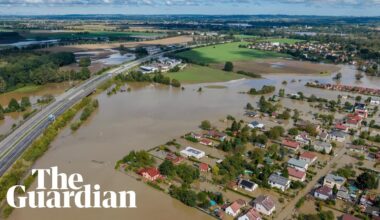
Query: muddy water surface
141,119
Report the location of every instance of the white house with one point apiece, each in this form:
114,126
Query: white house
247,185
300,165
308,156
192,152
234,209
279,182
338,136
322,146
323,193
256,124
264,205
251,214
332,180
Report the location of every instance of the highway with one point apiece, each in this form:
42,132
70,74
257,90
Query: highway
15,143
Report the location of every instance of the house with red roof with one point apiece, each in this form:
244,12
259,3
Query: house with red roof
206,142
349,217
151,173
309,157
234,208
292,145
251,214
296,175
204,167
174,158
341,127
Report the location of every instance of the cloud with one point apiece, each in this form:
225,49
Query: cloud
185,2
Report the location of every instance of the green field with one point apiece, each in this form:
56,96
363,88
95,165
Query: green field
202,74
245,36
226,52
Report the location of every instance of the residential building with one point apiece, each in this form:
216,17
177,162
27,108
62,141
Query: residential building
235,208
264,205
251,214
309,157
343,194
206,142
298,164
192,152
292,145
338,136
296,175
216,135
303,138
323,136
279,182
204,167
323,193
341,127
150,174
256,124
247,185
174,158
322,147
349,217
332,180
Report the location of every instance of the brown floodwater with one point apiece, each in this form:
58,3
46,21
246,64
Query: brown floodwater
141,119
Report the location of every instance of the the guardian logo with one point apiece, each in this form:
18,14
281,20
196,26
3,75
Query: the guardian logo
66,192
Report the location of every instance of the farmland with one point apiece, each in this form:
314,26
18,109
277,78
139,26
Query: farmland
226,52
202,74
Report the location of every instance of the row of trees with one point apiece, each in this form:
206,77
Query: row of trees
137,76
15,106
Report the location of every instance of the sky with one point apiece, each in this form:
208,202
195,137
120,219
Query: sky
220,7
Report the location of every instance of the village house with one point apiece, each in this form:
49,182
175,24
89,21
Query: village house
235,208
192,152
343,194
206,142
341,127
304,124
323,193
216,135
322,147
204,167
338,136
323,136
251,214
303,138
308,156
264,205
296,175
298,164
332,180
195,135
174,158
291,145
150,174
279,182
357,148
247,185
349,217
256,124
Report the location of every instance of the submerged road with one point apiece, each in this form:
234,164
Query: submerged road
15,143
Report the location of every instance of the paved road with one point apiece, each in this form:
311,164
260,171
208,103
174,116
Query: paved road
15,143
289,208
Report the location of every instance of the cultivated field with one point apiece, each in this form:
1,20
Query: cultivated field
226,52
87,47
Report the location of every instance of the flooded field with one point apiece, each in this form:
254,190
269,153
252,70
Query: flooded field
267,66
142,119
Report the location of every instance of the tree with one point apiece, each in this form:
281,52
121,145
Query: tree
3,85
1,114
167,168
13,105
85,62
293,131
84,73
249,106
338,76
358,76
281,92
175,83
228,66
25,103
206,125
367,180
358,98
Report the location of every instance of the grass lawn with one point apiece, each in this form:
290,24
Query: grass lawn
226,52
203,74
116,34
28,88
245,36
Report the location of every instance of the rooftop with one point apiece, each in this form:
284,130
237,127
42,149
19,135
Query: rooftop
275,178
298,163
334,178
